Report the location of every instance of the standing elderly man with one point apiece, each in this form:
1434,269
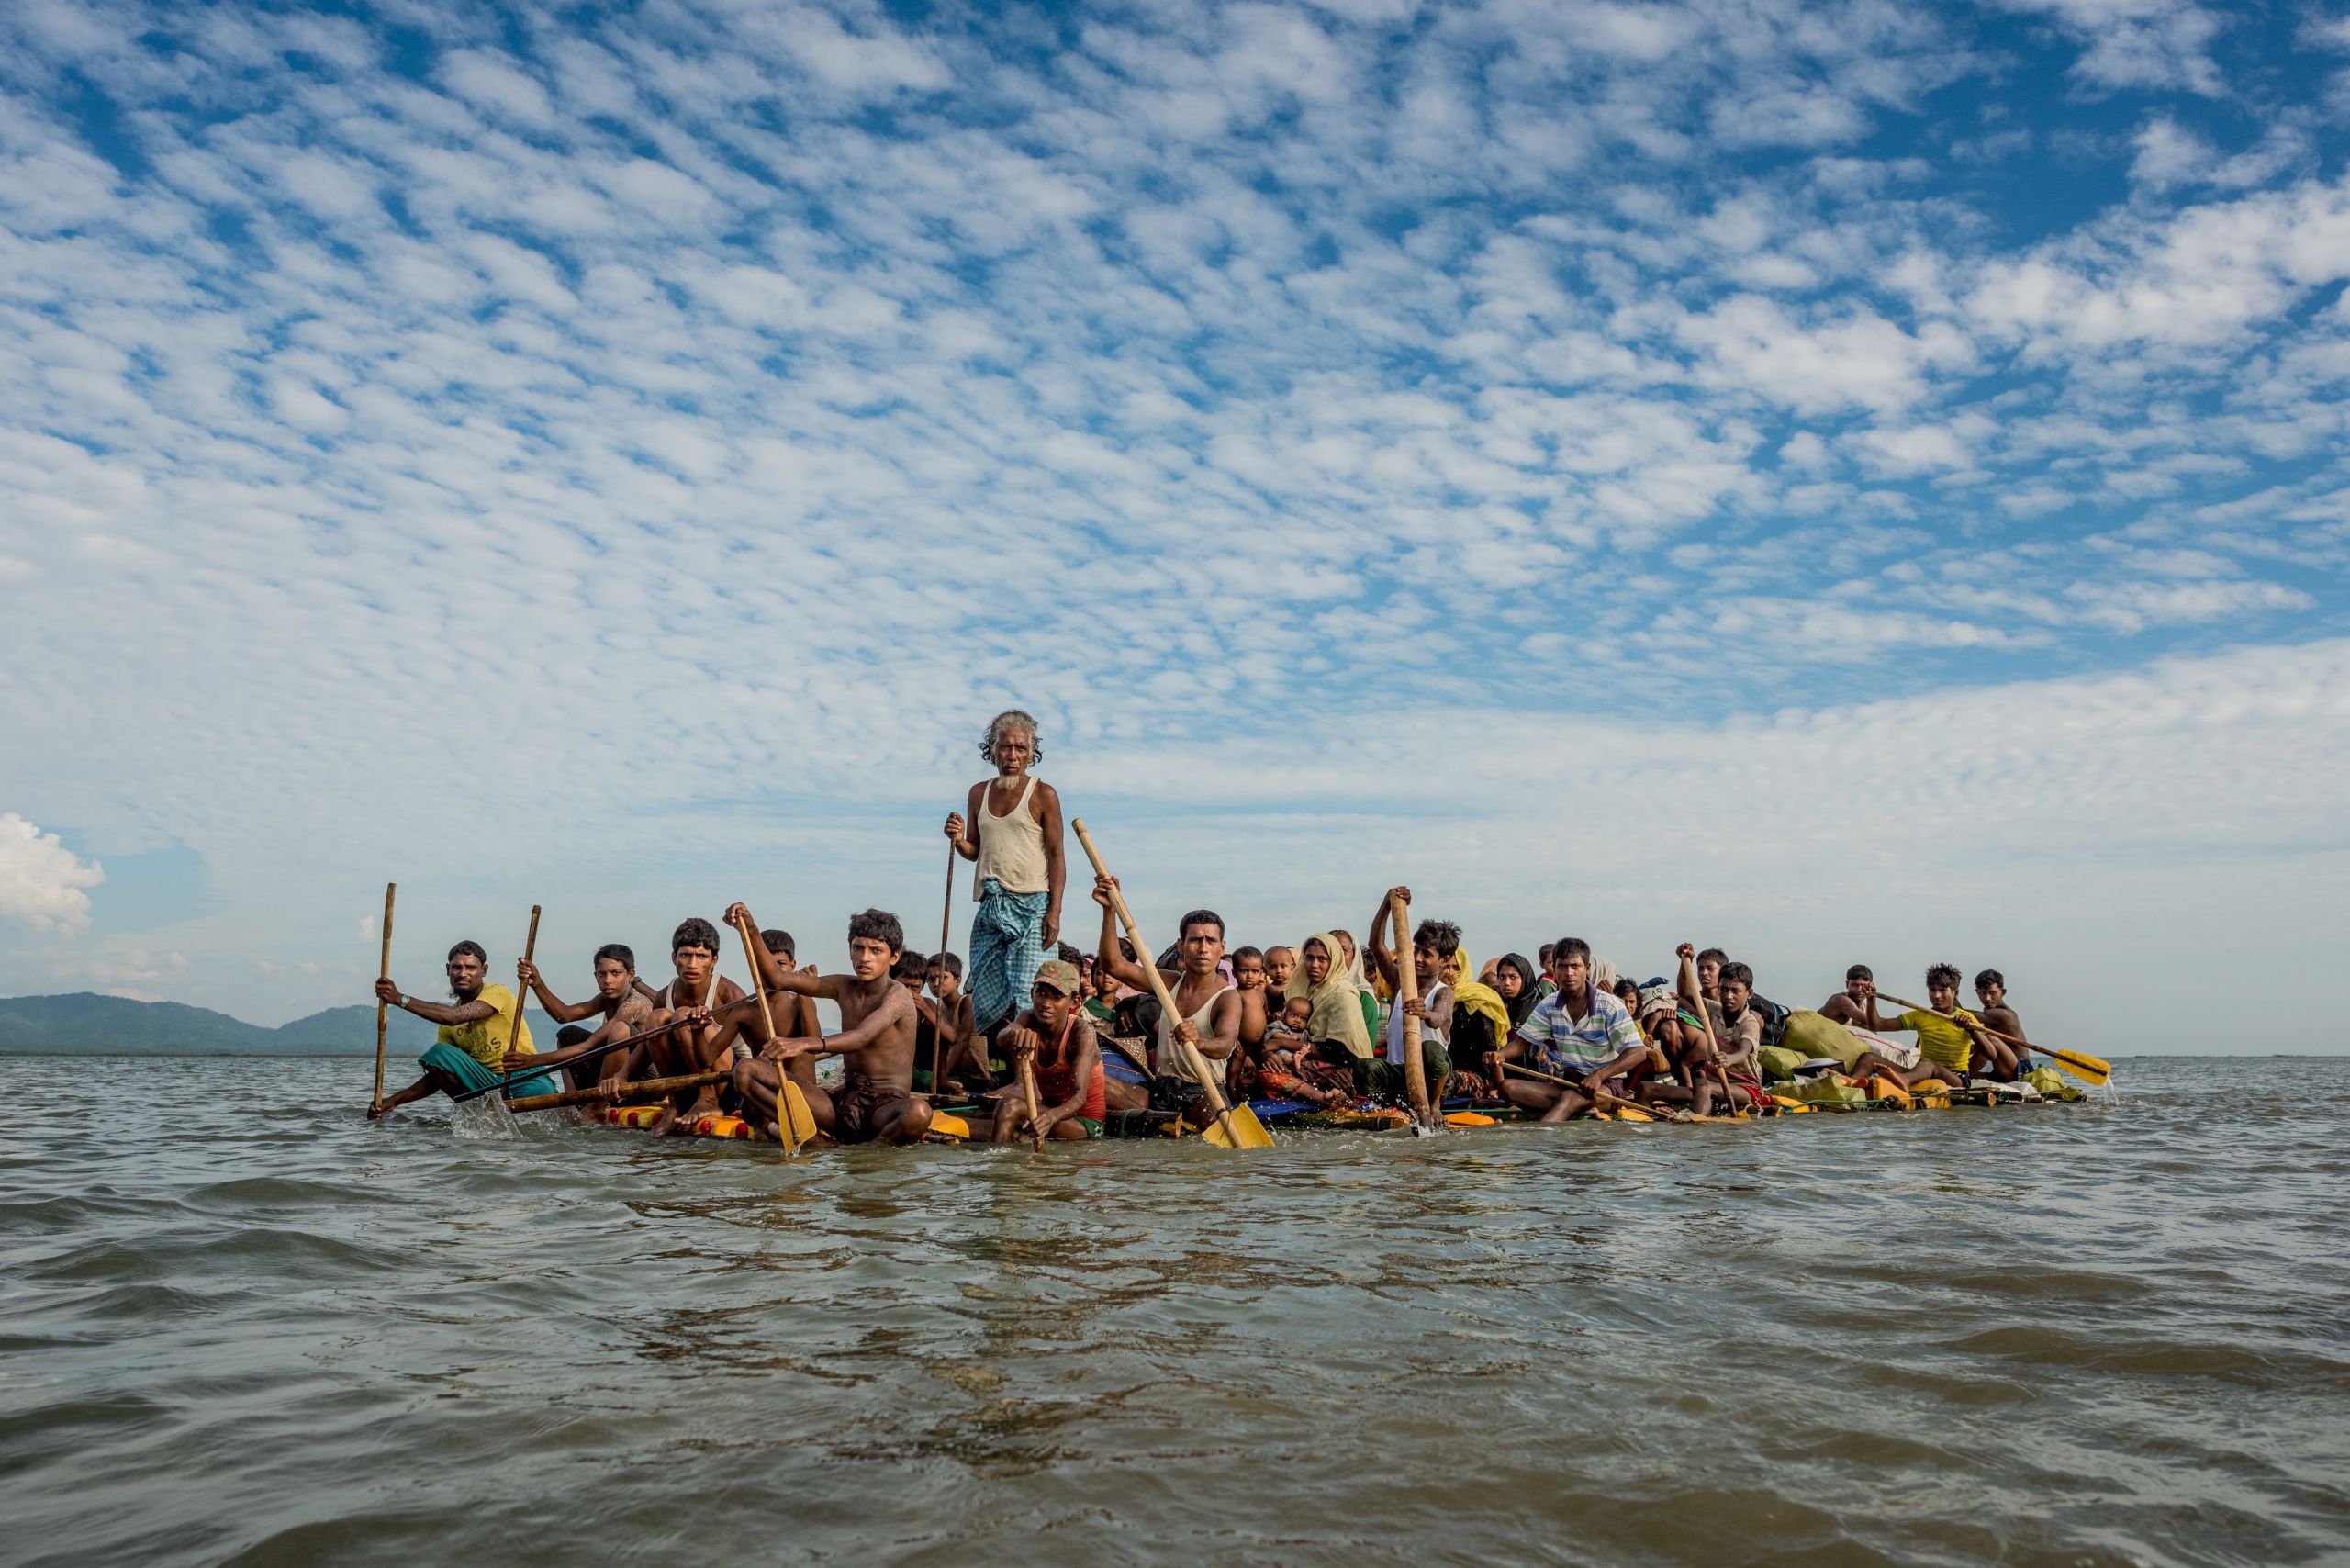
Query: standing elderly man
1012,826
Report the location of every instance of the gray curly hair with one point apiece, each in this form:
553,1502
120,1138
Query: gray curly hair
1012,719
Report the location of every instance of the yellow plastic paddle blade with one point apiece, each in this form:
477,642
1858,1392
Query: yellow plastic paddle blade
1634,1114
2089,1069
1470,1119
948,1124
1252,1133
802,1126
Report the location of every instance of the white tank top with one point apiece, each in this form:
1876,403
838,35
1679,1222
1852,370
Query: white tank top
1011,847
1428,1031
1172,1063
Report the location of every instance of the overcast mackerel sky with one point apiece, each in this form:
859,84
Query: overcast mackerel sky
1856,481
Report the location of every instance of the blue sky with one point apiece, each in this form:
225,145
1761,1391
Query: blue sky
1848,481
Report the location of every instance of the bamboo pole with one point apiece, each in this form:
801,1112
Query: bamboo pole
1408,991
383,971
612,1094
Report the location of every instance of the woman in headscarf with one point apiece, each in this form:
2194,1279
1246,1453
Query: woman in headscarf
1322,1068
1519,986
1365,995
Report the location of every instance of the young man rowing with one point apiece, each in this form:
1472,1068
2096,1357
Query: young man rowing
623,1007
1948,1038
1433,946
1208,1010
875,1102
481,1027
1578,1032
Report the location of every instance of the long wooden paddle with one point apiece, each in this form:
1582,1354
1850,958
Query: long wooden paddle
1241,1125
1028,1090
2095,1071
786,1134
585,1053
1407,991
609,1093
530,956
1600,1094
384,969
938,1043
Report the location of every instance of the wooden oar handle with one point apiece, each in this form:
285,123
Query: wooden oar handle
382,1009
1408,991
758,987
1509,1067
1143,953
609,1093
529,954
1706,1018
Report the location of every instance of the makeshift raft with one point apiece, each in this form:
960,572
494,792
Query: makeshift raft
950,1124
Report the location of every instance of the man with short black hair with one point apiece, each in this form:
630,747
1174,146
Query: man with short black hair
1991,991
480,1026
1850,1006
693,1046
1949,1038
875,1100
1209,1009
1579,1032
620,1004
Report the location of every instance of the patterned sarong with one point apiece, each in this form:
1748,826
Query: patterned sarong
1007,949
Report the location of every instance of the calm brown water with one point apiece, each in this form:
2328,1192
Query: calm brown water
237,1330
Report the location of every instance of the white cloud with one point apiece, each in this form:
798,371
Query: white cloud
43,885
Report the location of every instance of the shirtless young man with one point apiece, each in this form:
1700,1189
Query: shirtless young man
1209,1010
1012,826
875,1102
1991,991
1055,1038
620,1006
693,1046
1851,1006
948,1038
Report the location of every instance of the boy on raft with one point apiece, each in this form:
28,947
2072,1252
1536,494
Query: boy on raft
1054,1037
875,1100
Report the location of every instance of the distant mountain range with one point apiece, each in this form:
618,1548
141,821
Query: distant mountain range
85,1022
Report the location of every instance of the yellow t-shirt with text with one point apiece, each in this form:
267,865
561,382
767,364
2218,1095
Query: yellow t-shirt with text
485,1038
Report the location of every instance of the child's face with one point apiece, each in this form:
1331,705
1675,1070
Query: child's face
1105,985
1250,973
1297,1012
1508,981
1708,971
1279,963
942,982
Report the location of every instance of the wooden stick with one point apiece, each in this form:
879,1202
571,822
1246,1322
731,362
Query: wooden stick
384,971
530,956
938,1044
1029,1088
784,1132
1602,1094
1408,991
612,1094
1143,950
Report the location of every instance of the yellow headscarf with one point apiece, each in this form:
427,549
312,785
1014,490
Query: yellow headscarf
1338,1007
1481,999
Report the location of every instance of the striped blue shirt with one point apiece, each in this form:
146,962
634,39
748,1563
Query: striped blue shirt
1566,1047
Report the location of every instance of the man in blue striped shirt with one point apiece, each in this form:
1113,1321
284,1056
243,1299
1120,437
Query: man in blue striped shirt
1578,1031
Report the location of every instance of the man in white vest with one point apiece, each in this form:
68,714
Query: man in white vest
1010,825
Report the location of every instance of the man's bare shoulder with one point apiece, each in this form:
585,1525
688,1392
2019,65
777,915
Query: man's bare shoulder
633,1009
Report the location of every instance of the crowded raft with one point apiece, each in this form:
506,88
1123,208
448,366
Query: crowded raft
1040,1040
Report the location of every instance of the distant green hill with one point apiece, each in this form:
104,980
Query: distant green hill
85,1022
